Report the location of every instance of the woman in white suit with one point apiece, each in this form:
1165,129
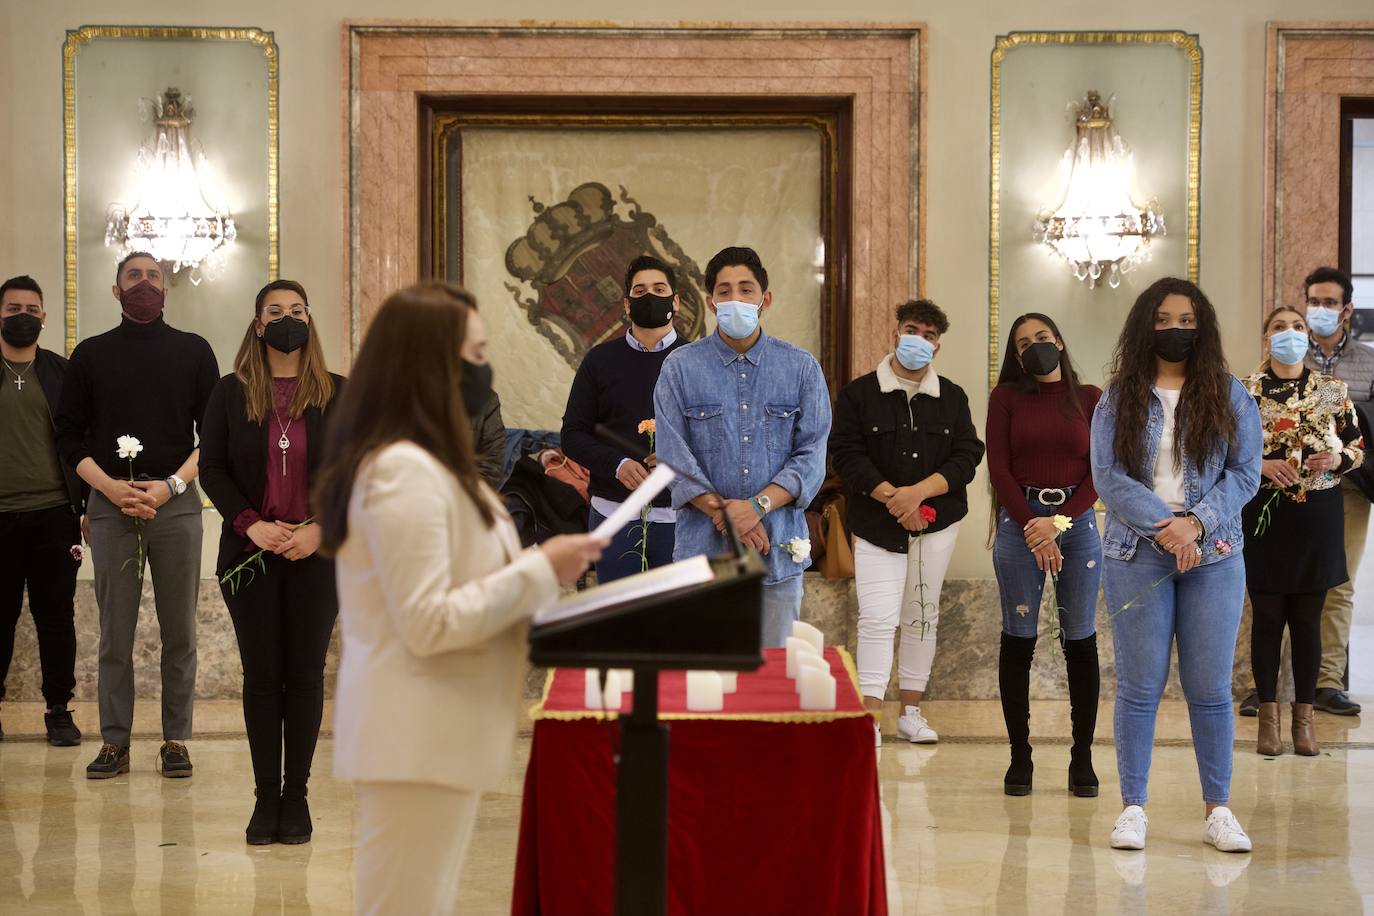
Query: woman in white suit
435,594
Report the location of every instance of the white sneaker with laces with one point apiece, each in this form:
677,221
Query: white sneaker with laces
1129,830
1225,833
913,727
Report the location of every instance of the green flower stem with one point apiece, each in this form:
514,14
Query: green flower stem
1266,514
234,577
1132,603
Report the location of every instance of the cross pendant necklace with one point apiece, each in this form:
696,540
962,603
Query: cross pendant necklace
18,377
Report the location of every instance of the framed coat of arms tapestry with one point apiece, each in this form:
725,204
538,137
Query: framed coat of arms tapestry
538,208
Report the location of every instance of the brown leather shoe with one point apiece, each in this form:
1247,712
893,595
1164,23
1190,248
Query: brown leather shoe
1304,738
1269,743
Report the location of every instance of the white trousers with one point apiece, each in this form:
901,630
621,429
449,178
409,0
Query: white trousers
412,838
891,595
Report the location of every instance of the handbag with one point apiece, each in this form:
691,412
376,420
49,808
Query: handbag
838,560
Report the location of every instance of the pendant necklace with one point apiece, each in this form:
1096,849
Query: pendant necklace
283,443
18,376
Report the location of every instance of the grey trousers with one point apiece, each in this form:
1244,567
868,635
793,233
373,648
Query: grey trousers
171,542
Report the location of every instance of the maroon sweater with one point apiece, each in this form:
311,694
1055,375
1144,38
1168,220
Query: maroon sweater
1032,444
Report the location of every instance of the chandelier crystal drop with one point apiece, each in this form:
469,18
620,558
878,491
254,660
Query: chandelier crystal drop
1097,228
179,218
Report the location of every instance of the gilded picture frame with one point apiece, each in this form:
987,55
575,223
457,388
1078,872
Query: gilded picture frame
79,38
1186,43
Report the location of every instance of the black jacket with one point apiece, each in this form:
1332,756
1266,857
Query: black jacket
876,435
51,369
233,459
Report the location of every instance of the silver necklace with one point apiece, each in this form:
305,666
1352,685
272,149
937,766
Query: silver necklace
283,443
18,377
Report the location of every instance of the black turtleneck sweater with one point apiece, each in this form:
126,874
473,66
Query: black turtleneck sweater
149,381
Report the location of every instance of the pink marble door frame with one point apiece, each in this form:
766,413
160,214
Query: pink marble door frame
1311,65
389,64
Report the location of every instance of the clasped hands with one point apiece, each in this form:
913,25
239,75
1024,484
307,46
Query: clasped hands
1282,472
745,518
139,498
904,504
285,539
1179,536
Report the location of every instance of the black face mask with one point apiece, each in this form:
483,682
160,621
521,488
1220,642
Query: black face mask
1174,345
286,334
21,330
476,387
1040,358
650,311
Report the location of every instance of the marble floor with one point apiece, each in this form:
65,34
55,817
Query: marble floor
142,844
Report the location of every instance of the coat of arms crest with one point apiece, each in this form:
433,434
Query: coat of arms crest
574,256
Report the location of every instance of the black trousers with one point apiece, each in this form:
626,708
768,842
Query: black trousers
35,553
1302,614
283,619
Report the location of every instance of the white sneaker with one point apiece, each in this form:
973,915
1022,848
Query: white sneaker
1129,830
1225,833
913,727
877,735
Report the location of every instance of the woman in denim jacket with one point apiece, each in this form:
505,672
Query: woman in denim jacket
1175,457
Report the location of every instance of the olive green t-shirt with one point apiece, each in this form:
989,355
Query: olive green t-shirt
30,476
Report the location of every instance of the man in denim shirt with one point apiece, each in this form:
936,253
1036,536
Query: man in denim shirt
749,414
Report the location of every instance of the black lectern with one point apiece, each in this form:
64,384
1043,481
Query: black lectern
714,626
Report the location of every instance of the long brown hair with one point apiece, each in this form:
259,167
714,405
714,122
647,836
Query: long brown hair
1205,416
1014,375
314,385
406,385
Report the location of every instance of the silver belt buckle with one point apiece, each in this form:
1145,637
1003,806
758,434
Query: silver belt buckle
1043,497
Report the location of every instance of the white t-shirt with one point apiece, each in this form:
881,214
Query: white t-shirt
1168,473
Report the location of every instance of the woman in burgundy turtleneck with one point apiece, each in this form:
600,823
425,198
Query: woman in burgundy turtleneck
1038,464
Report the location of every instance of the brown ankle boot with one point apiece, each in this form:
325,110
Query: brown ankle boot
1269,743
1304,737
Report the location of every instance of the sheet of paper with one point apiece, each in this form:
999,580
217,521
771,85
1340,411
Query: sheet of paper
681,574
640,497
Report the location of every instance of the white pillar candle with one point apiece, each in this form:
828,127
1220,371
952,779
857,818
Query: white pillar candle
817,689
627,678
729,680
809,633
613,690
805,661
795,645
591,697
705,692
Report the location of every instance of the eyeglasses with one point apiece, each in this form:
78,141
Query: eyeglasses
1324,303
273,312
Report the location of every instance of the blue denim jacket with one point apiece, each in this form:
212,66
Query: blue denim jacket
1215,492
741,421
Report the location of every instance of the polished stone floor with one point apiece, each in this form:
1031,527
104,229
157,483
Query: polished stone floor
142,844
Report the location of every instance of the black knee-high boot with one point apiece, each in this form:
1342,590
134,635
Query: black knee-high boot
1080,660
1013,680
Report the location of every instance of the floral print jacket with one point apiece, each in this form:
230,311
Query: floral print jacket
1307,416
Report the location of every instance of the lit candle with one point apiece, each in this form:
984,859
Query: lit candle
817,689
805,661
729,680
809,633
705,692
794,646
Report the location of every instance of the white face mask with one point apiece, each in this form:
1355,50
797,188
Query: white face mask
1323,321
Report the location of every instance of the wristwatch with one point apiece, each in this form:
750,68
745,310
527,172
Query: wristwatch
763,504
177,484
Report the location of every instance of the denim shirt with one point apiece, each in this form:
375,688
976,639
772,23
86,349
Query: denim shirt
741,421
1215,491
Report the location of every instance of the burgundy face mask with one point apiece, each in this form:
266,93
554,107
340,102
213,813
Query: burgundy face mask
142,302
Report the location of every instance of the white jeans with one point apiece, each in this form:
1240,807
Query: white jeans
412,838
890,594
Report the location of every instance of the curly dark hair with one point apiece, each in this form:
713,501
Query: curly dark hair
1330,275
923,311
1205,415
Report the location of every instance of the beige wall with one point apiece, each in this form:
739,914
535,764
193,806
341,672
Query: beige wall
960,40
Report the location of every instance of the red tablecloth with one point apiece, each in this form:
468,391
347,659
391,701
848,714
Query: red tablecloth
770,809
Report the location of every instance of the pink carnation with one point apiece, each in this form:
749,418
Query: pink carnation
78,552
1222,547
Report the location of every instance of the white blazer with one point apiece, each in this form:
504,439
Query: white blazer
434,610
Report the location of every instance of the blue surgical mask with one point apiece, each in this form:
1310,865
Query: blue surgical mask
1323,321
914,352
737,320
1288,347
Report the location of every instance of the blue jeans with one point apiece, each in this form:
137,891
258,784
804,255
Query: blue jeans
1202,610
1021,584
622,559
781,607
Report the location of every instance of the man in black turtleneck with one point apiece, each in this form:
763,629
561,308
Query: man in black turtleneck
149,381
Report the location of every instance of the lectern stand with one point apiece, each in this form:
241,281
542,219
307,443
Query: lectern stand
714,626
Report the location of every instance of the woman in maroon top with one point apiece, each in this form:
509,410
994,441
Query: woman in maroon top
1037,437
260,443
